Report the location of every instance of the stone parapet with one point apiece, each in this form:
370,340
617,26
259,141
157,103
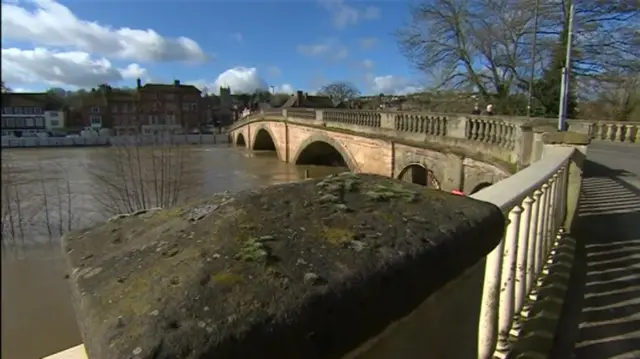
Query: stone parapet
312,269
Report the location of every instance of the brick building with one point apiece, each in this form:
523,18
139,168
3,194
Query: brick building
147,108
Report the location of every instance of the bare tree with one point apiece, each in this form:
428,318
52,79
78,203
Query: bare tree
461,43
30,210
340,91
486,44
5,89
142,172
615,96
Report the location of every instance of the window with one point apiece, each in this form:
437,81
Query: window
185,106
37,111
39,122
153,119
95,109
55,123
170,106
7,110
28,110
96,120
17,110
170,120
53,114
29,122
114,108
194,107
20,122
11,122
169,97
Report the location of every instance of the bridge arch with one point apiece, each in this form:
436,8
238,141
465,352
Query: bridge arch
319,149
264,140
419,174
480,186
240,140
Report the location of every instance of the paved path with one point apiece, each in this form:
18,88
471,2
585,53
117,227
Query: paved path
601,317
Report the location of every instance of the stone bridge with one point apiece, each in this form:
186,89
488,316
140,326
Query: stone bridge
422,151
363,266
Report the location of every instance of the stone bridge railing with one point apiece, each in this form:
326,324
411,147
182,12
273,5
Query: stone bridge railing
514,140
521,273
507,139
499,130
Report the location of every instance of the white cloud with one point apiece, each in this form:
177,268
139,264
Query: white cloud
134,71
367,64
284,88
241,80
314,50
391,85
344,15
367,43
274,71
52,24
329,48
75,68
237,36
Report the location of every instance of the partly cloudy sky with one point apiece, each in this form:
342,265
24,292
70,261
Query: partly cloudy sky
290,45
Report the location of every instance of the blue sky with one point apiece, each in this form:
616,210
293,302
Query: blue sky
287,44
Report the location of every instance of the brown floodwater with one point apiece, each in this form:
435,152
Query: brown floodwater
46,192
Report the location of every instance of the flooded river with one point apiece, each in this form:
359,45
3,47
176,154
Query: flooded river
46,192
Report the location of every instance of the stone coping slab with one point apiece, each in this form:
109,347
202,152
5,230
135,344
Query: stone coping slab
310,269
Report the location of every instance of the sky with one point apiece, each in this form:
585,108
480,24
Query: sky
245,44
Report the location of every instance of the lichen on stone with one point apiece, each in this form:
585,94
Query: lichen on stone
387,192
254,257
253,250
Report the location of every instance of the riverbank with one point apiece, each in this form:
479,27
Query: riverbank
98,141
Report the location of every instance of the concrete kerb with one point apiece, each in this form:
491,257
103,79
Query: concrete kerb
545,305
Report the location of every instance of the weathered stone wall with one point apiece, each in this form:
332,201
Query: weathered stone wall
476,173
312,269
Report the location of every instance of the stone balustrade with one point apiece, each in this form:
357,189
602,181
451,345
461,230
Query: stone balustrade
502,131
539,203
506,139
628,132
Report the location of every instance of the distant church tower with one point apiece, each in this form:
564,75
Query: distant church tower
225,97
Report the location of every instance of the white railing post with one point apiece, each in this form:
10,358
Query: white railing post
505,316
488,323
533,240
523,253
542,225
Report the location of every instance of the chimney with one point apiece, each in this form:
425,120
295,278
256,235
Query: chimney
176,83
300,97
138,83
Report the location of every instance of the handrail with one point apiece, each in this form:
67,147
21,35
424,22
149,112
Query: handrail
535,201
513,189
